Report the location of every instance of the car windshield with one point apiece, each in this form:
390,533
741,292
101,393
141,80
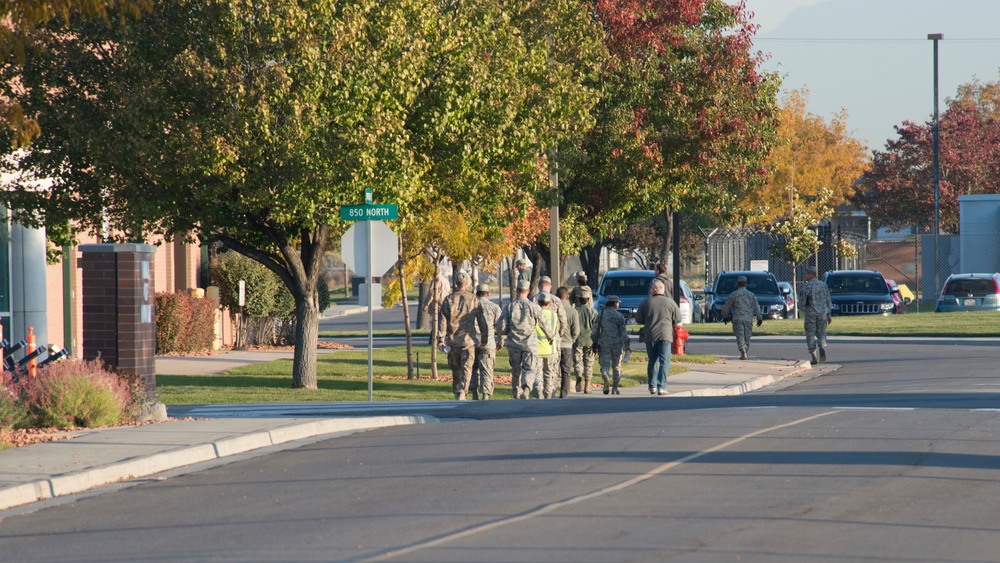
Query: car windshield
622,286
973,287
857,283
758,285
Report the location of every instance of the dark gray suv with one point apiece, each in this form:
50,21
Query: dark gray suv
859,292
762,284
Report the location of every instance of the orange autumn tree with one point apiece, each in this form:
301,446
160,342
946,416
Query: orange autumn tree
813,166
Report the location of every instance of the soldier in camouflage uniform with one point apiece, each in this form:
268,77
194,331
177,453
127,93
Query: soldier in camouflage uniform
486,356
517,324
815,304
581,285
742,308
583,348
460,314
612,340
568,333
548,348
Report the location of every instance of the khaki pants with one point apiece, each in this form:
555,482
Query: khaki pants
583,362
611,363
522,369
550,375
742,330
482,370
460,361
815,331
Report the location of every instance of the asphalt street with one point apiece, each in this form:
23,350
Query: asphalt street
891,458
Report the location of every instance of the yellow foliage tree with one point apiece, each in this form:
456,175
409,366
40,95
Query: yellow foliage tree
813,166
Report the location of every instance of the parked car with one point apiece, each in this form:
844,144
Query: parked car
762,284
970,292
632,286
859,292
786,290
897,297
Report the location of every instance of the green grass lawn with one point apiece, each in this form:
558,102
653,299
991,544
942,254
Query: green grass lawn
343,376
971,324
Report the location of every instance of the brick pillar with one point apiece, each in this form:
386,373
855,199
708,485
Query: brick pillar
119,321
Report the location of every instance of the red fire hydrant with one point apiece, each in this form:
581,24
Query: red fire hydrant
680,337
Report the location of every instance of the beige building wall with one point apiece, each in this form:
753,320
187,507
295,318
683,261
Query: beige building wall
169,276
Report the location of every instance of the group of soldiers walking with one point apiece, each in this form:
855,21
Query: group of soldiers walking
549,337
741,308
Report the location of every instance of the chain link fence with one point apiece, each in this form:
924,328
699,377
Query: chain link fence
737,248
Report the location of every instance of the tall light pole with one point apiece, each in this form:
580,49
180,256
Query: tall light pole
935,37
555,269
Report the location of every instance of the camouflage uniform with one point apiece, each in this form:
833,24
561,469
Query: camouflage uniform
460,314
567,337
742,306
612,340
517,324
815,304
583,348
486,356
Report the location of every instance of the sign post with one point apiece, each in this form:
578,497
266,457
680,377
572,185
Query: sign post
370,214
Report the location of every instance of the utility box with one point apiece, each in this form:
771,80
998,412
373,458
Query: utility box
119,316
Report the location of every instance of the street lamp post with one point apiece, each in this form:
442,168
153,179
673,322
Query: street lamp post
935,37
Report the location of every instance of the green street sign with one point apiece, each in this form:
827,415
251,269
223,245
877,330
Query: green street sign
387,211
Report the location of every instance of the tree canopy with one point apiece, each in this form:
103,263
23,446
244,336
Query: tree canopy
898,191
812,167
250,123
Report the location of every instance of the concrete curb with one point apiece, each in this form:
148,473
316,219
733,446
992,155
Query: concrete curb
80,481
754,384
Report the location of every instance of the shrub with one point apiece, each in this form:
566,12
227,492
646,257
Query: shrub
76,393
323,291
199,331
12,411
184,323
170,320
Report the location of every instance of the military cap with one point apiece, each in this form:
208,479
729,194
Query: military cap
585,291
581,274
613,299
523,285
521,262
482,288
545,297
812,270
741,279
462,278
545,279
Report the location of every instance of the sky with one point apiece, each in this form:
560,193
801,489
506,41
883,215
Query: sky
873,58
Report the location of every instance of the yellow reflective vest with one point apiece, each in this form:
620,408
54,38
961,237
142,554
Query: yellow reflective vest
545,346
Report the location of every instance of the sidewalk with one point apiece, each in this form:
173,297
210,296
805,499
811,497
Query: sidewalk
94,458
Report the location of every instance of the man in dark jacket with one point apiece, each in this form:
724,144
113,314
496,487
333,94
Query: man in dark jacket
658,314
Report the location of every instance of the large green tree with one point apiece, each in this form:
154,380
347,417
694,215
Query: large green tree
251,122
686,117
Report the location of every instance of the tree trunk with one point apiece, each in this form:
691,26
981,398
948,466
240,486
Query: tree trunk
511,278
590,261
423,321
665,243
306,340
299,270
406,313
433,312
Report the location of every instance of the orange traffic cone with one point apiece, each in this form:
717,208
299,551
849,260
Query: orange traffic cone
30,349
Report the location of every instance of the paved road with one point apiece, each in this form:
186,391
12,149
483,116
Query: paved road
891,458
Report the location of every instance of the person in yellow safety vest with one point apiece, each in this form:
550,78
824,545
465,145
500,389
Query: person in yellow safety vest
548,350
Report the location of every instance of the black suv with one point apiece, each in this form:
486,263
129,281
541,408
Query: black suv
859,292
762,284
